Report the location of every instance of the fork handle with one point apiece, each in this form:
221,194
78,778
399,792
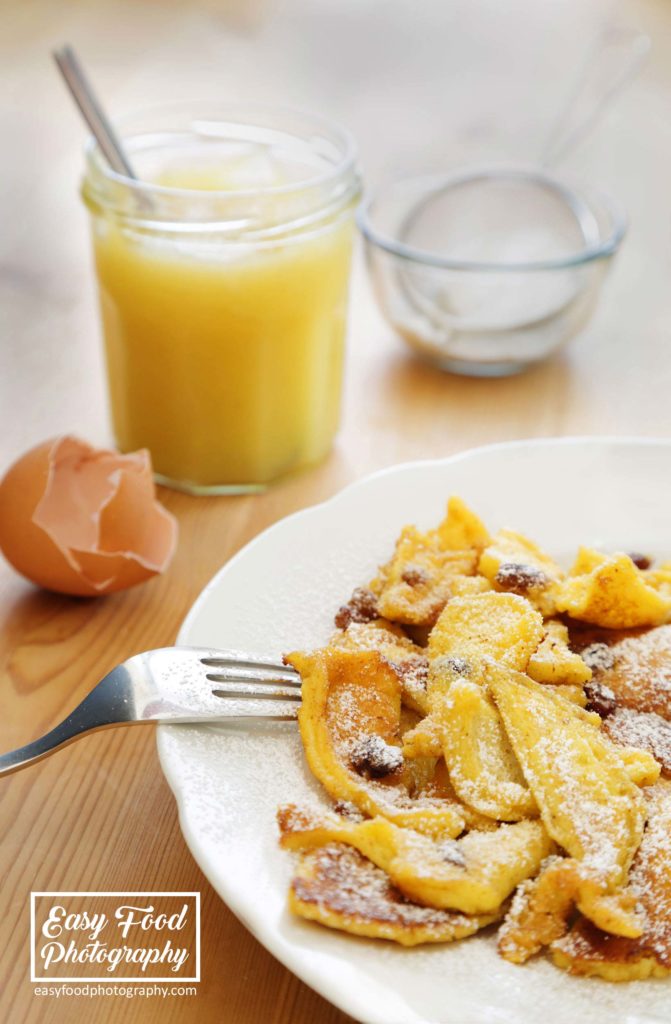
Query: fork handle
58,738
107,705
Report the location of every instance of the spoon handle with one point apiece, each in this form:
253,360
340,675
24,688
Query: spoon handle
614,59
92,112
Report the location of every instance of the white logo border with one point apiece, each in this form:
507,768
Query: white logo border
109,979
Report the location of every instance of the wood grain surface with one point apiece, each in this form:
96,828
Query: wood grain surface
419,85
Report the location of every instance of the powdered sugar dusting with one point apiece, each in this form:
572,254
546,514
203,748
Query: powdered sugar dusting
598,818
650,881
637,668
651,875
646,730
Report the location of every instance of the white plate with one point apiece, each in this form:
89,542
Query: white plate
280,593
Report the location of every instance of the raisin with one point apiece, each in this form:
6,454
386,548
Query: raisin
414,575
600,698
361,607
348,810
598,656
414,668
520,579
639,560
373,757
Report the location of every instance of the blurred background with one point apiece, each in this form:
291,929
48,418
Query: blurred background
422,86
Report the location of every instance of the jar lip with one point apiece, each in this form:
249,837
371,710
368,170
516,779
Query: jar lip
332,130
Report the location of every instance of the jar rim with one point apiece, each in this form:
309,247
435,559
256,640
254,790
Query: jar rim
331,130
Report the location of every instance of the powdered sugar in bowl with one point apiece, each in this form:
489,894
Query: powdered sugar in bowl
487,271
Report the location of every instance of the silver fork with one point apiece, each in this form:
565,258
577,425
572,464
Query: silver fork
175,685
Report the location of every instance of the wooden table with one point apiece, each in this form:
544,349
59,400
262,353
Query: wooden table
418,85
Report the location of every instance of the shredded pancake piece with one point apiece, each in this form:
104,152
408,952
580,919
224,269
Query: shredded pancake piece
539,910
588,802
488,867
503,626
588,951
482,766
348,697
608,590
340,888
408,661
428,569
554,662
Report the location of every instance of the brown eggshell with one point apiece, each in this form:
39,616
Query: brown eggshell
85,521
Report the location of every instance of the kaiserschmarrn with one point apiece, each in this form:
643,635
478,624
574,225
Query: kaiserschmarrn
495,735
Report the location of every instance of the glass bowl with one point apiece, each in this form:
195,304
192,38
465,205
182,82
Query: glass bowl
489,270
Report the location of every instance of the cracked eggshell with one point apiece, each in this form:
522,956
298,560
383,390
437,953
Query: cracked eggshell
85,521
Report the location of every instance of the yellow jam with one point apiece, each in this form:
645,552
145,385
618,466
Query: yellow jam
225,361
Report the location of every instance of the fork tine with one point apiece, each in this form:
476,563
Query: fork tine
266,716
220,677
244,661
276,695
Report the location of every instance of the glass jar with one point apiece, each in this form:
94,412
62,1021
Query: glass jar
223,276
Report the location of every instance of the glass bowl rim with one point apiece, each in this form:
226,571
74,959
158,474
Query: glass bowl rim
605,248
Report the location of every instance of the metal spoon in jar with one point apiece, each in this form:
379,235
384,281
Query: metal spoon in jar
92,112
